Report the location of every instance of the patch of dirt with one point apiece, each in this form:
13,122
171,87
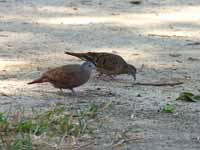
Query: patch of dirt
156,33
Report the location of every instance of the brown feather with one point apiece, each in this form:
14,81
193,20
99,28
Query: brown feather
39,80
106,63
65,77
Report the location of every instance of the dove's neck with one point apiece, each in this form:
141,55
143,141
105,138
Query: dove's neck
85,71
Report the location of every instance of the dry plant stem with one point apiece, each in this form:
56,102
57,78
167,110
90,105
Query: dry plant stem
158,84
4,142
85,145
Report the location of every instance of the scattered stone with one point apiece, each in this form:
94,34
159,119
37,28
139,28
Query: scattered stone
98,88
179,61
4,94
175,55
136,2
193,59
115,14
135,54
193,43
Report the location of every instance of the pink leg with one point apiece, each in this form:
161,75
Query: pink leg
74,92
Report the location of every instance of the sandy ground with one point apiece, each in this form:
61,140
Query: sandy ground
160,34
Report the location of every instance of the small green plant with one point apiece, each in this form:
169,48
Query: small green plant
23,142
188,96
2,117
17,130
90,112
168,108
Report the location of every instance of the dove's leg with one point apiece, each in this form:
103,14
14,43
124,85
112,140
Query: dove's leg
61,94
74,92
61,90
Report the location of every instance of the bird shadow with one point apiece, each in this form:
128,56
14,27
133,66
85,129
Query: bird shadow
86,93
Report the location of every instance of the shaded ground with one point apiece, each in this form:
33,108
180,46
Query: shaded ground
35,34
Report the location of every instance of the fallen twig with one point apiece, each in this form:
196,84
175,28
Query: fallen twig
168,36
83,146
193,43
128,140
4,94
158,84
3,35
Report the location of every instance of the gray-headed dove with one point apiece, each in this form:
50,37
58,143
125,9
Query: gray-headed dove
68,76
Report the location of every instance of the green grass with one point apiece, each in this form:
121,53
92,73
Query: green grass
168,108
188,96
17,130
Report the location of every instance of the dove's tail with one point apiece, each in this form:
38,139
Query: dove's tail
83,56
39,80
79,55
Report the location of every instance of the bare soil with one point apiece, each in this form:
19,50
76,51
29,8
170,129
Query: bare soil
161,34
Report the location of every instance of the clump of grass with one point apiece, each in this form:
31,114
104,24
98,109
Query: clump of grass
188,96
17,130
23,142
90,112
168,108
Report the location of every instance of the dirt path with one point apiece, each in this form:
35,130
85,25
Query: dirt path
162,35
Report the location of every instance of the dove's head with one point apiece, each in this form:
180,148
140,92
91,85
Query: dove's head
88,66
131,70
